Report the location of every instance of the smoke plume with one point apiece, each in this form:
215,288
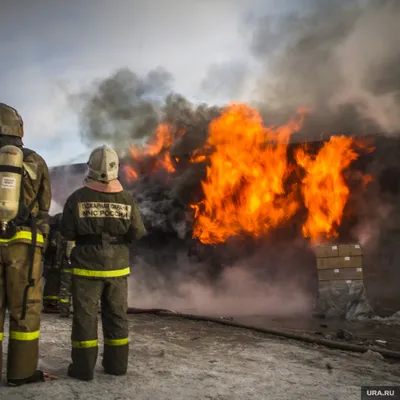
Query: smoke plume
123,108
341,59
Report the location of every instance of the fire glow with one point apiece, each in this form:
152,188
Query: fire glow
157,147
247,190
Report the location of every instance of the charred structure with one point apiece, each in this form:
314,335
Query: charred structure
283,257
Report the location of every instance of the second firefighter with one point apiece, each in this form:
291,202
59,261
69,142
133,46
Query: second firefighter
103,219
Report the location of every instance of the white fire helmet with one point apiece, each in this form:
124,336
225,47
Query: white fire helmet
103,164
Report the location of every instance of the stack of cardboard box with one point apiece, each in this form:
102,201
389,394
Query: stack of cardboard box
339,264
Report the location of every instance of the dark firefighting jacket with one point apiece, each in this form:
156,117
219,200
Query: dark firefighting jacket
102,226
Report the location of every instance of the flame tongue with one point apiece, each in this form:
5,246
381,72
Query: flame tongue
157,148
324,189
244,188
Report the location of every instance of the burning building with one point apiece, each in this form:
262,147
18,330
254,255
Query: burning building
224,189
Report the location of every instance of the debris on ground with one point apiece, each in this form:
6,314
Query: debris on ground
346,335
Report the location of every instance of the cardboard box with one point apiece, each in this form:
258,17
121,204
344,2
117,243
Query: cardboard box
323,250
335,274
339,262
349,250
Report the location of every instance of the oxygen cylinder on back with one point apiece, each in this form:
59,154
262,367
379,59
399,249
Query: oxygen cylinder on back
11,164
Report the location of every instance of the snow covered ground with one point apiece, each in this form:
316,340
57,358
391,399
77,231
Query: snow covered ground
172,358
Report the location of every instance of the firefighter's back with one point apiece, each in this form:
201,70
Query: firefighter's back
102,221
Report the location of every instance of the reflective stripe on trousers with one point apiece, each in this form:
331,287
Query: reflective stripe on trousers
24,235
24,336
84,344
50,297
116,342
1,336
64,301
101,274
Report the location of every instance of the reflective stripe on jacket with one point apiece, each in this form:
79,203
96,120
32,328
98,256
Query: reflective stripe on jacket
23,236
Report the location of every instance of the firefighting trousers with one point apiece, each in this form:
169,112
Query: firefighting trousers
23,299
113,295
51,285
64,301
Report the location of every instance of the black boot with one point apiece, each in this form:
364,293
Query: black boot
74,374
38,376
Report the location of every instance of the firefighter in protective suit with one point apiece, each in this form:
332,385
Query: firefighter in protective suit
22,241
103,220
52,266
64,256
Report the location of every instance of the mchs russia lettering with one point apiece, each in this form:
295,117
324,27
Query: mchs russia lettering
104,210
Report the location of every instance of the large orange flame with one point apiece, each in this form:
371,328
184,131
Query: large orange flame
244,188
324,188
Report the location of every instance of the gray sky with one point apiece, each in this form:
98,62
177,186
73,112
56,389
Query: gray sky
52,47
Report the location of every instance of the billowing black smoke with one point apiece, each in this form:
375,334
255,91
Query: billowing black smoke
123,108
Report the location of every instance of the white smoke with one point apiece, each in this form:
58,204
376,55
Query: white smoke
238,291
366,59
341,60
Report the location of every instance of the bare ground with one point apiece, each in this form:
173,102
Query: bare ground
175,359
